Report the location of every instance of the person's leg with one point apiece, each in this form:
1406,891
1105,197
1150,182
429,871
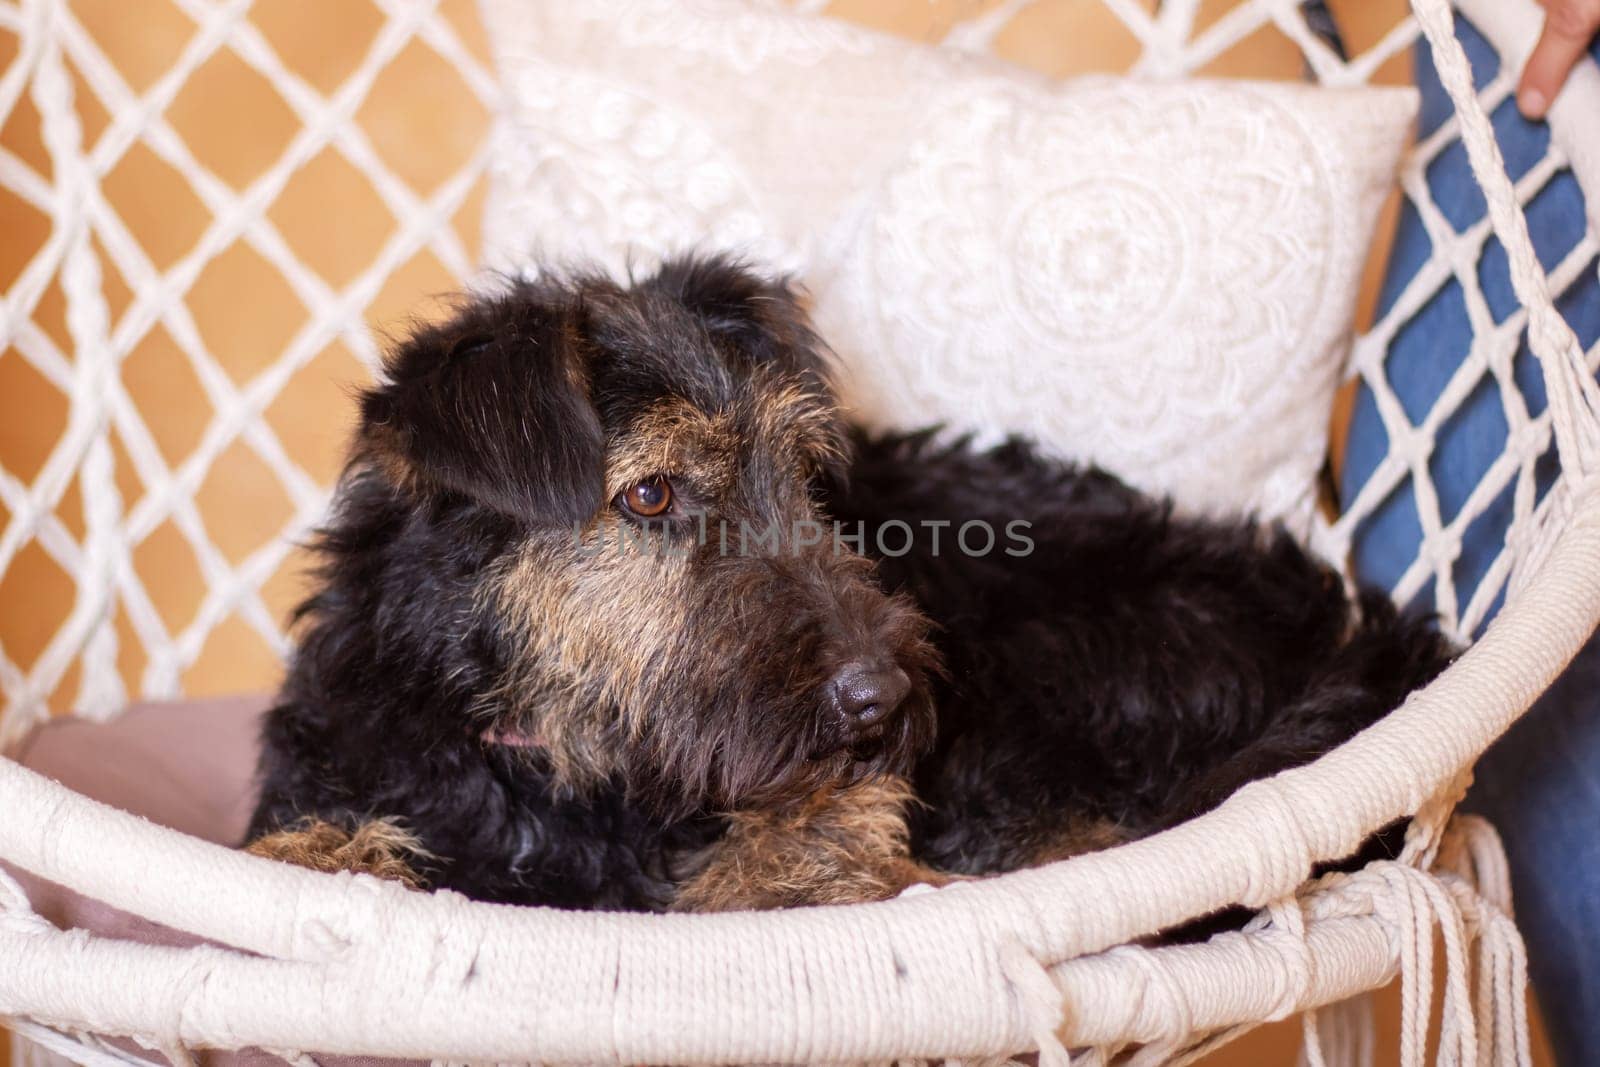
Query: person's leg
1541,783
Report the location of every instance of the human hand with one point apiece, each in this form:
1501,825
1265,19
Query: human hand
1569,26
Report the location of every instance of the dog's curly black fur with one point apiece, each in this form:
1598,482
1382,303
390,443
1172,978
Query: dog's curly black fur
1133,669
556,725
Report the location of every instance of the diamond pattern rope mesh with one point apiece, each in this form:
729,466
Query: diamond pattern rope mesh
178,362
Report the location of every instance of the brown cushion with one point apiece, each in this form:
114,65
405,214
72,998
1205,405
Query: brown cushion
186,764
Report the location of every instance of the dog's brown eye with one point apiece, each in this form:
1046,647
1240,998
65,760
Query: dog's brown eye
649,498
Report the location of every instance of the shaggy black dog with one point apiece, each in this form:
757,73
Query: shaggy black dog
616,612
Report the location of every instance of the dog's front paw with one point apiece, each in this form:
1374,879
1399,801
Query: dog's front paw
841,846
738,883
377,847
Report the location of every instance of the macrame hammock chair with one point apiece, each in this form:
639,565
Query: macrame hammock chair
1046,959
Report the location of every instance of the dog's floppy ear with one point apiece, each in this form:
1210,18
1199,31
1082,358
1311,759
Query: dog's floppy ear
494,405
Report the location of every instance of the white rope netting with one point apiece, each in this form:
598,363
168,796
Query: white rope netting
1015,966
88,240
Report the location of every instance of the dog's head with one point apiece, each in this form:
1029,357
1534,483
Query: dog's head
677,613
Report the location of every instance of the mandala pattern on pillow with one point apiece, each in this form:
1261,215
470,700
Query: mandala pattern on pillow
1066,289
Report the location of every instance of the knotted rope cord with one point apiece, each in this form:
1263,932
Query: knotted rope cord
1574,398
1451,265
76,203
86,1049
1482,1021
1160,987
1432,823
1573,395
1502,966
1345,1026
89,626
16,912
1041,1002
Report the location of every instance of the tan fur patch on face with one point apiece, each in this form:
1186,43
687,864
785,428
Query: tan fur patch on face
675,437
842,845
791,419
598,626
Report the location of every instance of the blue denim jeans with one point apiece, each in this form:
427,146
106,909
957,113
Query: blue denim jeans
1540,784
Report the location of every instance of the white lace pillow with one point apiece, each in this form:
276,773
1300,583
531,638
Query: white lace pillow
1157,277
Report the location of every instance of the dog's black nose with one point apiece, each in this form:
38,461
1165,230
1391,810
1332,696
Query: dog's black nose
867,694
